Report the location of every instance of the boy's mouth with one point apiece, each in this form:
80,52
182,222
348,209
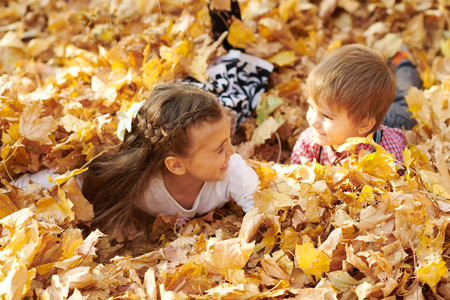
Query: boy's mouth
318,133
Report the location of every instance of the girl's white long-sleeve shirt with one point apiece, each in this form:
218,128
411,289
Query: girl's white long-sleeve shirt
239,184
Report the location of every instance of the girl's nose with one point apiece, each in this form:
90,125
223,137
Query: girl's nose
230,149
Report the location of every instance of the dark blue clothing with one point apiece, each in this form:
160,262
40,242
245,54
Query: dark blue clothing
406,75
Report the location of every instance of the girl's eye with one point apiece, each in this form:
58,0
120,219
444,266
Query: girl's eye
328,117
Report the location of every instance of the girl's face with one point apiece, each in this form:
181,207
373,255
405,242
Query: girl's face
212,149
330,127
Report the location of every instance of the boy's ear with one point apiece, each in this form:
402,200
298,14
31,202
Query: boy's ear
176,165
366,126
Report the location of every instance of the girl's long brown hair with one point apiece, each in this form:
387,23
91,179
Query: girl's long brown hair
115,182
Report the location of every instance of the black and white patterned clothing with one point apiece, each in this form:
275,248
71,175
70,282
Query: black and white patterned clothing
238,80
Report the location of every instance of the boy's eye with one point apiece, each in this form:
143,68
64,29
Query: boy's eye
328,117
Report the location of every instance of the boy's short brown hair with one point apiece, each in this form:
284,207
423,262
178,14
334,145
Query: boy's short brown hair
356,79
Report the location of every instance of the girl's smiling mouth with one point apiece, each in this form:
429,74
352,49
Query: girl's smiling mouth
224,167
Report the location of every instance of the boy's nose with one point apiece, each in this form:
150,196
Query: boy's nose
312,118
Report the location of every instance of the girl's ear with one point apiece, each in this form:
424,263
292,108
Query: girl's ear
176,165
365,127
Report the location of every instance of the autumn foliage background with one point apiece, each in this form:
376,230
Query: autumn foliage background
358,231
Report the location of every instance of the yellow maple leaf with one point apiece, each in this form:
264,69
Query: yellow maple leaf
71,239
414,158
366,194
54,211
151,72
432,272
287,8
265,175
283,58
428,77
64,177
11,135
312,260
418,106
240,34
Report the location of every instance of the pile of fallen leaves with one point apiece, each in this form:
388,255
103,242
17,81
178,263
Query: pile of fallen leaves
369,229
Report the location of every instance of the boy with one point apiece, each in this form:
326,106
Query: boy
349,93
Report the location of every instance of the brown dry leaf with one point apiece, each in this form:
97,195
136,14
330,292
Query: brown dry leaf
239,291
8,205
14,285
82,208
415,33
150,284
232,254
265,130
33,127
315,293
220,5
199,64
250,224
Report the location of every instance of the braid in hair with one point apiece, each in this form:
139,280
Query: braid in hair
154,134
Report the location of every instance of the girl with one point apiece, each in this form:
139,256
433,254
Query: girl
176,158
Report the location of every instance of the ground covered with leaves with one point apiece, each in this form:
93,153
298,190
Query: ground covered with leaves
372,228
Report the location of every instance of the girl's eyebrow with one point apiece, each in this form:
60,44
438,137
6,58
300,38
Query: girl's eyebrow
220,146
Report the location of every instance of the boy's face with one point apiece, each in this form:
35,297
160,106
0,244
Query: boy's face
330,127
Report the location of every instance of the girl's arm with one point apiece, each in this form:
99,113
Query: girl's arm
39,177
243,183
